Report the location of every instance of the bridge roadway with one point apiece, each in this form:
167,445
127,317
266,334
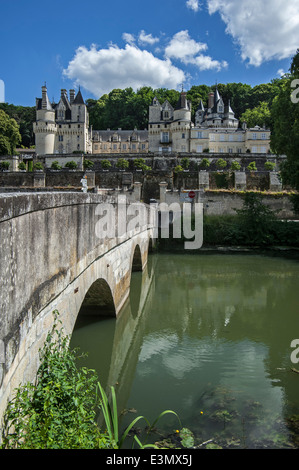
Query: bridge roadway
54,256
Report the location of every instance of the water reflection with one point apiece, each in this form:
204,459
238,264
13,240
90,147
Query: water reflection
204,334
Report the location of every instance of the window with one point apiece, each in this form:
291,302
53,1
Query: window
133,146
96,147
165,137
254,136
183,135
254,149
183,148
212,137
60,138
240,138
230,150
231,138
222,137
200,135
264,136
263,150
124,146
142,146
199,148
114,146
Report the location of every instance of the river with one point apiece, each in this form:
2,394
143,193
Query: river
209,337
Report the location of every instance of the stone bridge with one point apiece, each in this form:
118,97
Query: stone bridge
57,253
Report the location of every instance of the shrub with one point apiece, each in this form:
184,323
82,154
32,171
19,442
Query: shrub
4,165
58,411
252,166
221,163
178,169
235,166
205,163
139,163
71,165
106,164
55,165
122,163
270,166
22,166
185,162
38,166
88,164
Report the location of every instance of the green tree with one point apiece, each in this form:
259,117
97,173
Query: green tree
10,136
24,116
285,133
258,116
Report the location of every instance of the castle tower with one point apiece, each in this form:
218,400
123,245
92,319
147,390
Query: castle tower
44,128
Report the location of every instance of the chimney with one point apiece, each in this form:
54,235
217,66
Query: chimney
63,92
72,96
211,99
44,97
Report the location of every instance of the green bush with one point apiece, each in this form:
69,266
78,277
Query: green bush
139,163
71,165
270,166
205,163
252,166
185,163
22,166
88,164
221,163
106,164
178,169
235,166
38,166
55,165
122,163
58,411
4,165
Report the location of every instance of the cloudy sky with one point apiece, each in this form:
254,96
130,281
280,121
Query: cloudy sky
102,45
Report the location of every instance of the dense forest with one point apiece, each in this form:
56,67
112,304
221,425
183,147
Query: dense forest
127,109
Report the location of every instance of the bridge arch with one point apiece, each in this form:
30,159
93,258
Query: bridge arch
64,269
98,300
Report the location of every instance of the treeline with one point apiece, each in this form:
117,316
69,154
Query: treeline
127,109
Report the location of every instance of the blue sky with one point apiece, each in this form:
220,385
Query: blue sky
160,43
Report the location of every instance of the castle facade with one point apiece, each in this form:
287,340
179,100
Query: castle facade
216,130
63,128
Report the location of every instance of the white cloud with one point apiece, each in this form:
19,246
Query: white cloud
280,72
264,30
101,70
147,38
205,62
128,38
193,5
185,49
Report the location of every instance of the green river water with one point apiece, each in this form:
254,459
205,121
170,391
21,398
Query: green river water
208,336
